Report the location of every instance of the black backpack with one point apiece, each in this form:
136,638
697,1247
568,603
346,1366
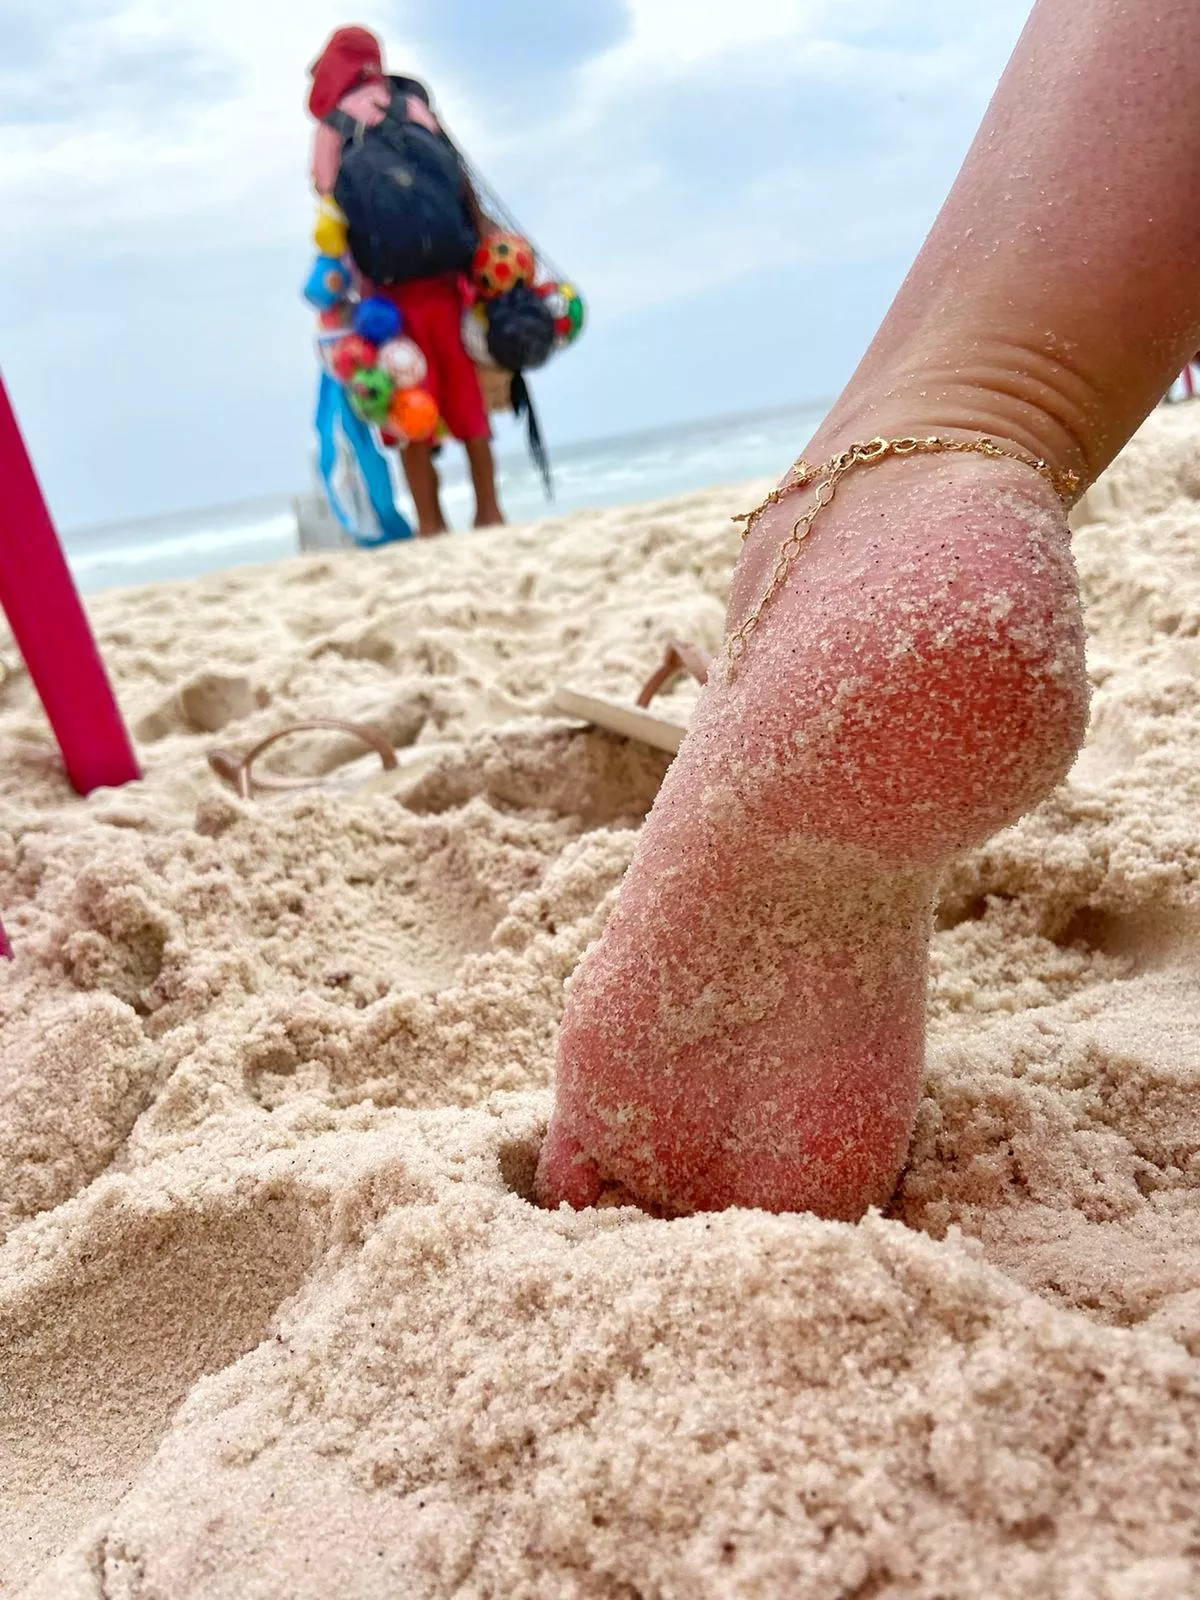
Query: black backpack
403,190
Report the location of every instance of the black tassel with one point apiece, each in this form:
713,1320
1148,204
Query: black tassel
522,404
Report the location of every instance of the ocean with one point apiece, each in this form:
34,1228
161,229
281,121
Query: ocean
647,466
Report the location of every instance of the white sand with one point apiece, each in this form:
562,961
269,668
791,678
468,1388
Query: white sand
276,1319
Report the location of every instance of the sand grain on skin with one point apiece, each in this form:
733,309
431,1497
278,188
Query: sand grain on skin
277,1318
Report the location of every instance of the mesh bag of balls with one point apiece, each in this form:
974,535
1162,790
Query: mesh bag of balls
364,346
519,319
517,323
362,343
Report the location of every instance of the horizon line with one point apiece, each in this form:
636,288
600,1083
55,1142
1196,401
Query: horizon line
567,446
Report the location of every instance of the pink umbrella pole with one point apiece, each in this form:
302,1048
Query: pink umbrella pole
48,622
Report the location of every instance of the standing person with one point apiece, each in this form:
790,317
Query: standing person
905,668
411,242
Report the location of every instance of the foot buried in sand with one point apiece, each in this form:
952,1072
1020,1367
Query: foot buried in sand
749,1029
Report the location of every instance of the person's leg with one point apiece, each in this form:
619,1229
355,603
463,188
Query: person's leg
483,479
464,410
418,302
423,485
749,1029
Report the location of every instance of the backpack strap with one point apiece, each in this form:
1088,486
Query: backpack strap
397,110
347,126
407,86
341,122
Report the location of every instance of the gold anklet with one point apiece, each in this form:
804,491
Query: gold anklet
1064,483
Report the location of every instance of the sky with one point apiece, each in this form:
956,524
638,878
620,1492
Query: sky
737,188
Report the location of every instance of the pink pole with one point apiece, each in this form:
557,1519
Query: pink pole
50,626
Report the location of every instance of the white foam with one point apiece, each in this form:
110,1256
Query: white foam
279,529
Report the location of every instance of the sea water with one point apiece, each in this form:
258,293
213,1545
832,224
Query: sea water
603,472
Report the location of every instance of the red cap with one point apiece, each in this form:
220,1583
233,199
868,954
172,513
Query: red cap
352,56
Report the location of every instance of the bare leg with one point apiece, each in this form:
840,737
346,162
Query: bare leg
749,1030
425,488
483,478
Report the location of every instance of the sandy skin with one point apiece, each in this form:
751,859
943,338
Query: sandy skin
918,684
748,1030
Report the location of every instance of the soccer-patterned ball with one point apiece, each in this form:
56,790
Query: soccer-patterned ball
556,300
475,336
371,392
501,261
404,362
565,304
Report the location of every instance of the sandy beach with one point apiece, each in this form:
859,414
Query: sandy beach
277,1318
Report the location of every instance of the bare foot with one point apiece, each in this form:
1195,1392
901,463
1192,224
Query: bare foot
749,1030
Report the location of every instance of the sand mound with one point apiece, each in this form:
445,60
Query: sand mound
276,1316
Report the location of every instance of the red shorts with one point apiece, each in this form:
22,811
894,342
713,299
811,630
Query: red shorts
433,311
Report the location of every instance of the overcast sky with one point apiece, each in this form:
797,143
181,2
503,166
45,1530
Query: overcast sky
738,188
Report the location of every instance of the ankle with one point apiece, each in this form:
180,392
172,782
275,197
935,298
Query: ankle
1014,397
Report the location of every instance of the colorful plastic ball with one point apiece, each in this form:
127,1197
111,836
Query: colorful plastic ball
378,319
413,414
565,304
404,362
352,354
371,392
575,311
502,260
329,233
475,336
334,317
327,283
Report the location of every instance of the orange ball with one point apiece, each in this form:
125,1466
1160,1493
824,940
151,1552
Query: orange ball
413,414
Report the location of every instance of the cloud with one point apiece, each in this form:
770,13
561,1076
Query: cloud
669,39
505,58
790,139
160,124
81,62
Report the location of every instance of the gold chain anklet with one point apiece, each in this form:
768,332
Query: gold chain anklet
1064,483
